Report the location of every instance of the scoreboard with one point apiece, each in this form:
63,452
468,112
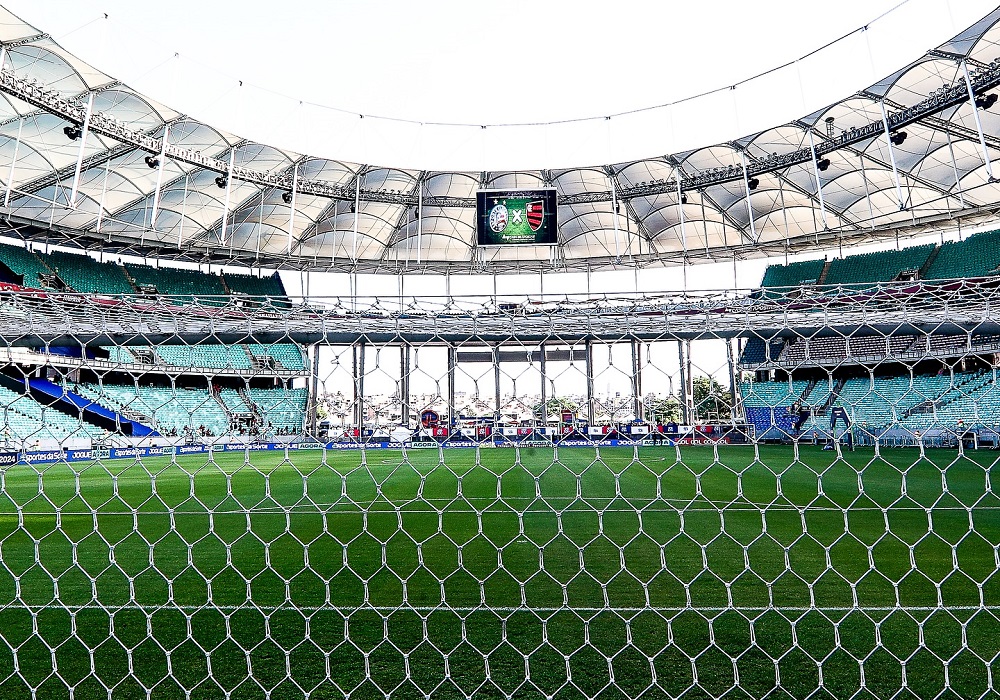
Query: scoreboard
516,217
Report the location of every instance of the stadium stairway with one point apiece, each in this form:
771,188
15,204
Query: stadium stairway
821,280
76,406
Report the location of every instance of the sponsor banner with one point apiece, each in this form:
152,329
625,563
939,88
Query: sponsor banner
129,452
49,456
306,446
700,441
45,456
75,455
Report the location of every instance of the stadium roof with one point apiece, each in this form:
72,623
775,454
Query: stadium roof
87,162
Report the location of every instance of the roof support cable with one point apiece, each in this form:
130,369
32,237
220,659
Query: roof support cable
420,217
225,204
680,209
979,123
291,209
614,215
101,204
180,228
13,162
357,213
160,164
81,151
954,169
819,184
746,189
892,156
868,194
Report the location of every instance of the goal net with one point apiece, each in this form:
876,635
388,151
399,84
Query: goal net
710,496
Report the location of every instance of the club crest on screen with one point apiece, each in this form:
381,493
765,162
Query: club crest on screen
498,218
535,211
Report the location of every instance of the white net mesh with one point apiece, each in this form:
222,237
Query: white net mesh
613,499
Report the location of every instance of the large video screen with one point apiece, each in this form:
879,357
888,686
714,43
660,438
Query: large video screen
516,217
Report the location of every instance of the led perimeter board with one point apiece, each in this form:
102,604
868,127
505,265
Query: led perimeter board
516,217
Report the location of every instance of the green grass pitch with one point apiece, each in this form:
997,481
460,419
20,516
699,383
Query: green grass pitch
585,574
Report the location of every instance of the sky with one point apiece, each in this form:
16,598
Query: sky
310,68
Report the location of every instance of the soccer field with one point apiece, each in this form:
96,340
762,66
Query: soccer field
582,573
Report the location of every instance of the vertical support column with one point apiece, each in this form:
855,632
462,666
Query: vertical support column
496,384
690,382
687,383
359,385
452,366
734,396
640,414
404,384
684,385
589,356
314,391
544,394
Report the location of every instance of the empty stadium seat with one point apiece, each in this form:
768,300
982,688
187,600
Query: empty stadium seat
977,256
24,420
84,274
185,285
881,266
164,408
286,355
25,263
209,355
269,287
794,274
284,409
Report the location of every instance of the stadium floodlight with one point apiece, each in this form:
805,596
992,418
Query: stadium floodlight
73,132
286,197
897,138
984,102
752,183
152,161
823,164
829,127
221,181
